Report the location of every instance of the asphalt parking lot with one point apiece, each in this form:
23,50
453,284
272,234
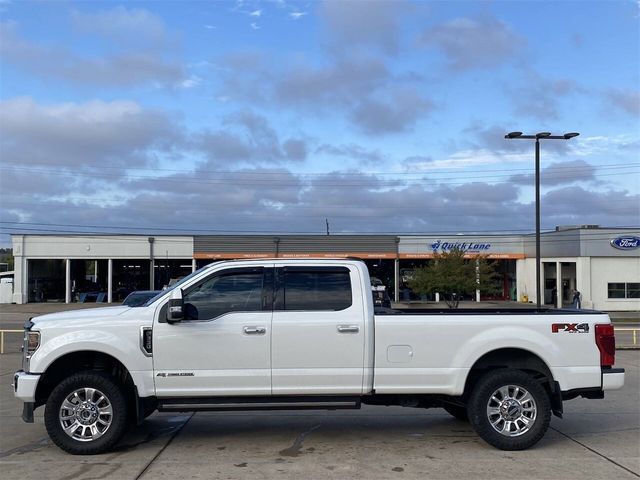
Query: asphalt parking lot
596,439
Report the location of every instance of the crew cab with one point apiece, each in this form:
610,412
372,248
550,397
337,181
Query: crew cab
293,334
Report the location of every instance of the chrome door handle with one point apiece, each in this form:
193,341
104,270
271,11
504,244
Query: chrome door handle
348,329
254,330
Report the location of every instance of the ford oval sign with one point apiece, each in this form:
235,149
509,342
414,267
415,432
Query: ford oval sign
626,243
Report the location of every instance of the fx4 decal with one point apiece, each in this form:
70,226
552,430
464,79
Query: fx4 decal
570,327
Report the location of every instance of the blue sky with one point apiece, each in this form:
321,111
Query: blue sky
271,116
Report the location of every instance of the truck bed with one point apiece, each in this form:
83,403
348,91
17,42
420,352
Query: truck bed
432,350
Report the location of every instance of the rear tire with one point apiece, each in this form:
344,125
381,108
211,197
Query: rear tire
86,413
457,411
509,409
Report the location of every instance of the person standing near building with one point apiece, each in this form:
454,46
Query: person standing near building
577,304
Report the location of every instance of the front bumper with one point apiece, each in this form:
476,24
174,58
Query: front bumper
24,386
612,379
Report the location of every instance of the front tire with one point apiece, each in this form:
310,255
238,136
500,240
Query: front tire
509,409
86,413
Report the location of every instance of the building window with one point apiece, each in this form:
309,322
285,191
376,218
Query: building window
623,290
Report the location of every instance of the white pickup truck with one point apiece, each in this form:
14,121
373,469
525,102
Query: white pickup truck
291,334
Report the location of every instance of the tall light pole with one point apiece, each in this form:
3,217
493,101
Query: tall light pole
537,137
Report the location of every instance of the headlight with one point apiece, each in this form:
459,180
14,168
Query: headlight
30,345
33,342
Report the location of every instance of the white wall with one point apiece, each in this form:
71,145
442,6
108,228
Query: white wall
6,290
96,246
613,270
526,278
592,276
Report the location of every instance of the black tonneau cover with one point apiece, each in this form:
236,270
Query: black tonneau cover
483,311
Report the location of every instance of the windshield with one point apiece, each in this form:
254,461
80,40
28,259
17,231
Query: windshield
175,285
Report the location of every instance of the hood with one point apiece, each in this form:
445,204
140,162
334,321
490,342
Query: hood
85,314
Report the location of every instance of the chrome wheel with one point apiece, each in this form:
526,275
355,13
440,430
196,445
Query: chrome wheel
86,414
511,410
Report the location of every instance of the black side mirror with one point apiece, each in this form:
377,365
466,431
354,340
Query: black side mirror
175,310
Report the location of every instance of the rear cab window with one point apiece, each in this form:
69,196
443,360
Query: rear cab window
313,289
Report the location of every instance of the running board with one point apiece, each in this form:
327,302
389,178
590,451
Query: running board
257,403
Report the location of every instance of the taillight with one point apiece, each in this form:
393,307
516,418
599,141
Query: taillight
606,342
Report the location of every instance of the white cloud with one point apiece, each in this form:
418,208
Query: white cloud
191,82
469,43
298,15
84,134
255,13
368,24
465,159
626,100
255,26
127,68
603,145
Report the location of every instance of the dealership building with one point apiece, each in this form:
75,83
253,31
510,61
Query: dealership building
603,264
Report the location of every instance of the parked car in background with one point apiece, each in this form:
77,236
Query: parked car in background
139,298
89,292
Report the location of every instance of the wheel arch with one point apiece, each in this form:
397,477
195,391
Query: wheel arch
85,360
519,359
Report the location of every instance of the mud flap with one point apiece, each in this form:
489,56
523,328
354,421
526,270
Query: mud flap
556,400
27,412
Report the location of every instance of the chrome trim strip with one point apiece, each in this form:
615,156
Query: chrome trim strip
173,406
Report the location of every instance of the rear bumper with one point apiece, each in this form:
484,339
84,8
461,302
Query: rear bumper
24,386
612,379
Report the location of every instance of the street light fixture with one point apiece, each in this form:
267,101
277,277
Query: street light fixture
537,137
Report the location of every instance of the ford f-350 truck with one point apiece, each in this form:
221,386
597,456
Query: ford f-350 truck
292,334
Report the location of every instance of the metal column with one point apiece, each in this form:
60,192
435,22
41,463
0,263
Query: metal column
396,280
67,281
477,280
559,284
110,281
152,265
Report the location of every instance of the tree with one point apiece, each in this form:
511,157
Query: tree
6,256
453,275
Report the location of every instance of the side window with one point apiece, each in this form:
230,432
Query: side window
235,291
318,289
623,290
615,290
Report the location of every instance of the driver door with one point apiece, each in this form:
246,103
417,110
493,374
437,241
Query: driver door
223,345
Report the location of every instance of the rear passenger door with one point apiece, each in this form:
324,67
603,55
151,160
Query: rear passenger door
317,343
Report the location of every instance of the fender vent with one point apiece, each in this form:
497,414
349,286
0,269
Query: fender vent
146,340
